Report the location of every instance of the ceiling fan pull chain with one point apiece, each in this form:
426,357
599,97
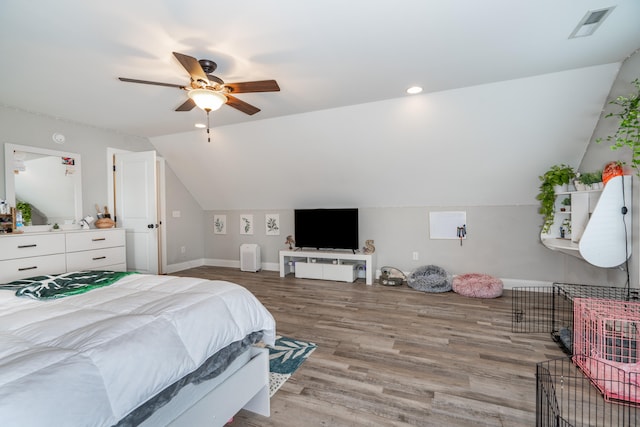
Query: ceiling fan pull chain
208,133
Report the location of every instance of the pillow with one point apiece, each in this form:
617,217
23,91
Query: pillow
62,285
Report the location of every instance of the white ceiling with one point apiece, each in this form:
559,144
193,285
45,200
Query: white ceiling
62,58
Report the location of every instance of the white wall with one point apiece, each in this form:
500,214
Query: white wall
502,240
184,231
410,151
479,149
24,128
597,155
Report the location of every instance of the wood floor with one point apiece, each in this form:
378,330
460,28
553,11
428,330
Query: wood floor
393,356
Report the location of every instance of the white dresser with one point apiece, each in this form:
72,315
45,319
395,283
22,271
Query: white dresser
33,254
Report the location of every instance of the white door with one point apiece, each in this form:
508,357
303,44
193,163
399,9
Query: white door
136,208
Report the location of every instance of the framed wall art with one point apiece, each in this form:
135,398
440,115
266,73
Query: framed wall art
272,224
246,224
219,224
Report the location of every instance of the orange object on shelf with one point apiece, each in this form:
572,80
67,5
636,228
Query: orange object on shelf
611,169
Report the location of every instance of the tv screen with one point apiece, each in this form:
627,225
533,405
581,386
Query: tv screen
326,228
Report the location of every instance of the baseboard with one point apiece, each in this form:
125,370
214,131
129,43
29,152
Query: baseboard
518,283
172,268
274,266
230,263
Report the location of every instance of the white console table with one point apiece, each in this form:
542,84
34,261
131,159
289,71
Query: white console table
326,258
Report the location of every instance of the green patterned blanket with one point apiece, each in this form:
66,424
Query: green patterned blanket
63,285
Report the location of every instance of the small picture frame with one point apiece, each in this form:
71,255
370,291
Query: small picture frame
272,224
246,224
219,224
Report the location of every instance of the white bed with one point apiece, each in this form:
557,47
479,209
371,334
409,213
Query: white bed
93,359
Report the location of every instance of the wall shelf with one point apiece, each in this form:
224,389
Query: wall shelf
599,232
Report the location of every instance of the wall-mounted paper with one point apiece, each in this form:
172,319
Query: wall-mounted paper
444,225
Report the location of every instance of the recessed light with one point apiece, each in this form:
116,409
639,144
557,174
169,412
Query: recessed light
200,125
414,89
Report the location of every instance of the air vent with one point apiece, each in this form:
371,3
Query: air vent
590,22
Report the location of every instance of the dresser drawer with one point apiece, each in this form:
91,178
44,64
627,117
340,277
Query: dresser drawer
25,245
89,240
96,259
22,268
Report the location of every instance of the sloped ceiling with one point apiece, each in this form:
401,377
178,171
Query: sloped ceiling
484,145
506,92
63,58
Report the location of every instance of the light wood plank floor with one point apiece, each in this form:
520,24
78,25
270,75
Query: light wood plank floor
393,356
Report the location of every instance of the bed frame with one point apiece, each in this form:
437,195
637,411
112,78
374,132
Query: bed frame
243,385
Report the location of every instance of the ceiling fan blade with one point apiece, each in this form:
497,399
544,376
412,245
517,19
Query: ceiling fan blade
257,86
234,102
146,82
192,66
188,105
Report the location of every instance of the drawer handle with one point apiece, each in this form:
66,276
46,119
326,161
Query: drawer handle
98,239
99,257
33,245
28,268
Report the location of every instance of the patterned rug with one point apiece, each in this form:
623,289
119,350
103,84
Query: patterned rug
285,356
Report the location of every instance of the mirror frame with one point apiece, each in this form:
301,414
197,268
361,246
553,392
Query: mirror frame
9,177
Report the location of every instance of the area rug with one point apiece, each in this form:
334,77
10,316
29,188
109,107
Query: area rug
285,356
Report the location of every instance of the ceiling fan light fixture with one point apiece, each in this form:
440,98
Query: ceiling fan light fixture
207,99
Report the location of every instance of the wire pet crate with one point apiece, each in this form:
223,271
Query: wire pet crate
549,309
566,397
605,346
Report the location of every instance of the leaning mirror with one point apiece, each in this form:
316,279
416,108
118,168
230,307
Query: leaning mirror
45,184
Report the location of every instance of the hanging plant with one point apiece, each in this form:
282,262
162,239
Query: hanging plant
628,133
556,175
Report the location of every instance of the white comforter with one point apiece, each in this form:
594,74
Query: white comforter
90,359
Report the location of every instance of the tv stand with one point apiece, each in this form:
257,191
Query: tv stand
332,262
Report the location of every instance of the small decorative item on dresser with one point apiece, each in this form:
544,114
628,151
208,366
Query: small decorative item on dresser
7,220
105,223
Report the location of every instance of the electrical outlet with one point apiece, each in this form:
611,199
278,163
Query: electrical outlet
183,249
415,256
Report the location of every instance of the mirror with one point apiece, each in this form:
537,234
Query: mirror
47,183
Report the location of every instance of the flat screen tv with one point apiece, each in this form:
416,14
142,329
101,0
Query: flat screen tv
326,228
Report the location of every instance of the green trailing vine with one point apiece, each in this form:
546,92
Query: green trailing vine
628,133
556,175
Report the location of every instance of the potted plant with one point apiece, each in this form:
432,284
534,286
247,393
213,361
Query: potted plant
25,208
557,175
566,202
628,133
591,178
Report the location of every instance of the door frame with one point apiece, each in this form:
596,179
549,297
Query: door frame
161,196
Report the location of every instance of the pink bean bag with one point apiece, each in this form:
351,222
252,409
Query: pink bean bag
477,285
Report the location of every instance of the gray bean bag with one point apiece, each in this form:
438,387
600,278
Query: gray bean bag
430,278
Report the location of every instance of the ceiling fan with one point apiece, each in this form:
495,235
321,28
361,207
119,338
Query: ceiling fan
207,87
210,92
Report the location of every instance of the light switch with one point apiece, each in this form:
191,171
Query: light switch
175,214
